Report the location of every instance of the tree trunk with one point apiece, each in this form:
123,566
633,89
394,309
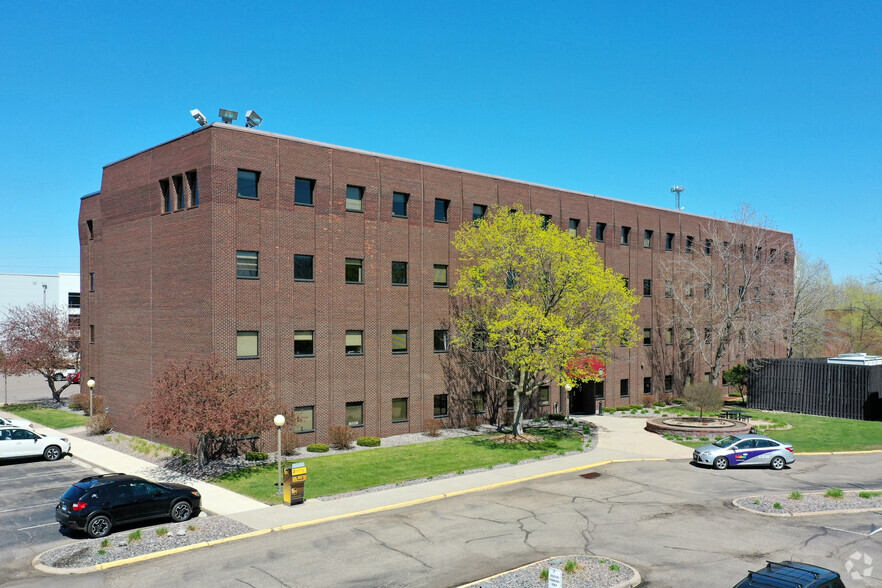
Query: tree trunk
518,406
200,450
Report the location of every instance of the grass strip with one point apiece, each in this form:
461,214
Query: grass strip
48,417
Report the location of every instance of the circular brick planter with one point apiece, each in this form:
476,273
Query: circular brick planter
686,427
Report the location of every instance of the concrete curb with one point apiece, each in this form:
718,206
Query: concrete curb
634,581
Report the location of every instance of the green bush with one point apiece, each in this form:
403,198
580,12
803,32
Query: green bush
659,403
317,448
99,424
609,409
625,408
256,456
368,441
342,436
556,416
678,401
833,493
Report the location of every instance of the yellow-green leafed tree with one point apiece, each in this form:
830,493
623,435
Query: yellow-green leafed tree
536,297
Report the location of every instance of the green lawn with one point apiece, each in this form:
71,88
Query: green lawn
48,417
345,472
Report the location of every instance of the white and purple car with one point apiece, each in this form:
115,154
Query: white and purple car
745,450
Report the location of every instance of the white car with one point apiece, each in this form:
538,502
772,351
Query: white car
5,422
17,442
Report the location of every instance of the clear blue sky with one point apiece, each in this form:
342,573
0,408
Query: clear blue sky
778,104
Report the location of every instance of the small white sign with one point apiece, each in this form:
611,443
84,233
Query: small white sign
555,578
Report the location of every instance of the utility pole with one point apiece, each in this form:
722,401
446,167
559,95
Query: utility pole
676,190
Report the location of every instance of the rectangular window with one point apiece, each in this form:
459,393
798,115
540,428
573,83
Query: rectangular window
441,207
707,290
669,383
708,246
303,265
601,228
479,341
399,341
440,406
647,385
166,195
91,333
544,396
193,184
399,410
708,337
478,211
399,203
669,336
509,399
647,336
546,220
689,290
626,282
304,343
647,287
669,241
669,289
354,342
624,392
91,281
73,299
441,341
626,235
303,191
355,414
478,402
178,183
690,335
707,377
246,264
689,240
354,198
90,229
647,239
574,227
598,390
439,276
354,271
246,184
304,419
399,273
247,344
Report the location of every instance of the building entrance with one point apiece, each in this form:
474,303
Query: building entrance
583,397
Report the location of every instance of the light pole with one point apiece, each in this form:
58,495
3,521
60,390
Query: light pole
279,421
91,385
678,190
568,387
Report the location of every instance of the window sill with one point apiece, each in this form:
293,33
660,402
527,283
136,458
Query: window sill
304,355
394,284
443,222
401,421
247,277
440,416
440,286
353,210
246,197
299,431
399,216
247,357
356,425
310,204
442,351
352,354
304,280
355,283
399,353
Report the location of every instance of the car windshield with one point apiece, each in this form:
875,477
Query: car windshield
74,492
726,441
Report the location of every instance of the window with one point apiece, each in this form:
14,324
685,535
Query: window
479,341
707,290
708,246
690,335
690,292
440,405
91,333
669,336
574,227
689,241
166,195
354,343
773,254
669,241
647,239
399,410
598,389
303,191
544,397
707,377
178,182
757,254
626,282
441,341
89,228
247,344
73,299
355,414
303,268
304,343
246,184
512,277
399,203
439,279
478,211
626,235
601,227
624,392
91,281
304,419
669,383
546,220
669,289
399,341
647,287
647,336
399,273
708,337
478,402
354,198
740,292
647,385
354,273
246,264
193,184
441,207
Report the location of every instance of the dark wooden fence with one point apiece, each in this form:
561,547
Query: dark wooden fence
813,386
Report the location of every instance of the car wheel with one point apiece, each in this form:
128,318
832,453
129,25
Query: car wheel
721,463
52,453
98,526
181,511
777,463
58,377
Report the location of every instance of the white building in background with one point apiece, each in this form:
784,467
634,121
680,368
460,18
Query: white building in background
62,290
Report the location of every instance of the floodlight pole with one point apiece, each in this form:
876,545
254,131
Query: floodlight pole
279,421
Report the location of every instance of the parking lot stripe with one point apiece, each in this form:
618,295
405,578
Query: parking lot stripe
27,507
37,526
29,477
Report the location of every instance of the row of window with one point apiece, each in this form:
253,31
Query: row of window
178,199
248,343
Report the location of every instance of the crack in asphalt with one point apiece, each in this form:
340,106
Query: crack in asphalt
487,537
587,531
382,543
822,533
414,527
263,571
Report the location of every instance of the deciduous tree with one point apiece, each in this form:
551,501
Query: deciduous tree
535,297
703,396
813,294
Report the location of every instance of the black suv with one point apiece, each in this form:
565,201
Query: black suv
791,574
97,503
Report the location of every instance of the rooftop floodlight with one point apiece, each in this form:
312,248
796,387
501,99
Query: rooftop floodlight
228,116
200,118
253,118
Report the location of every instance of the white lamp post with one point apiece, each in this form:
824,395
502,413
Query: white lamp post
91,385
279,421
568,387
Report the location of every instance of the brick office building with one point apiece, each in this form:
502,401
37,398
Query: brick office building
322,269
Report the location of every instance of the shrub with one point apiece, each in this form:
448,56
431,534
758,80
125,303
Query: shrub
317,448
368,442
290,442
343,436
795,495
608,409
777,506
78,401
556,416
647,401
704,397
676,400
833,493
614,567
625,408
99,424
135,536
472,423
543,574
161,532
572,566
256,456
867,494
432,427
659,403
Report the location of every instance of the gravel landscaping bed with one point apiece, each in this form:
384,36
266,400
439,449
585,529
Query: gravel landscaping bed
593,572
808,504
